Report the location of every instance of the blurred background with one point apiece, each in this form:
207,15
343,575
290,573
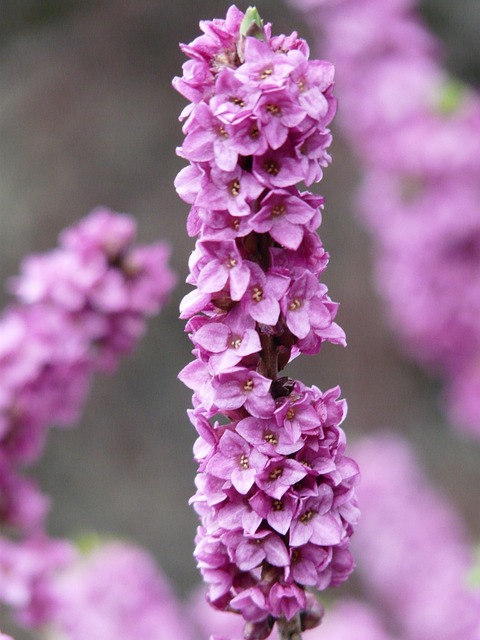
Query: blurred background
88,117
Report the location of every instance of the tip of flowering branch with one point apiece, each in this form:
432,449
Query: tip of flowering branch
252,25
88,542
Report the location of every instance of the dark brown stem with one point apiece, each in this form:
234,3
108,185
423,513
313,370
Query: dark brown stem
257,247
289,629
268,365
264,243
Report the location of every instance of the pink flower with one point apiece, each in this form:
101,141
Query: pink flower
236,461
267,436
232,190
286,600
261,299
228,343
251,552
234,101
278,512
278,169
283,215
279,475
252,604
208,140
263,68
240,387
314,521
221,264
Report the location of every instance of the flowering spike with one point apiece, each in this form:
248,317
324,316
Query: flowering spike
77,310
275,492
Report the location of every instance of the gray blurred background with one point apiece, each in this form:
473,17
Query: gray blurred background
88,117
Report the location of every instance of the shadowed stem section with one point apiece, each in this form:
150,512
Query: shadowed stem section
268,365
289,629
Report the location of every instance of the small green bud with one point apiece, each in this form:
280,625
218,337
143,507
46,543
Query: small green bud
451,97
473,578
252,25
88,542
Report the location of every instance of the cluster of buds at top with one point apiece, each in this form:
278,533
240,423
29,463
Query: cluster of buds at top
275,492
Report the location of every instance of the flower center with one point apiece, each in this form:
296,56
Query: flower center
266,73
234,187
238,101
275,474
235,343
277,505
273,109
307,516
290,414
231,262
222,132
254,132
248,386
257,294
271,438
295,304
271,167
278,210
244,462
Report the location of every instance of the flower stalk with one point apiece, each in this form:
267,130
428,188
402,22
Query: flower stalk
290,629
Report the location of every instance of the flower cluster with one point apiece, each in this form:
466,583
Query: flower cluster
77,309
27,568
413,552
113,590
416,132
275,492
